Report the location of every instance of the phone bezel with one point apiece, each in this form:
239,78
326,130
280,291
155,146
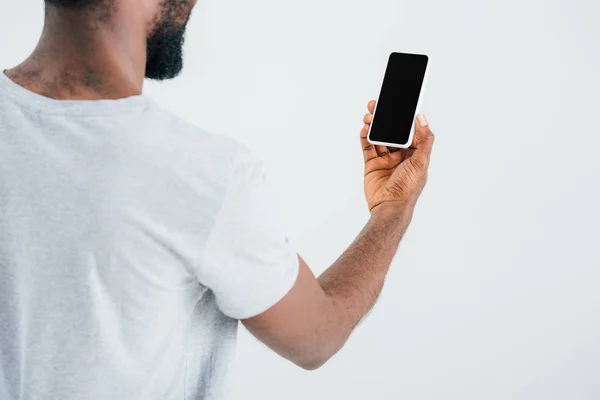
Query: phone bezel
412,128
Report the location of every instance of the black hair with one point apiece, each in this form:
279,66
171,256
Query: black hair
76,4
164,58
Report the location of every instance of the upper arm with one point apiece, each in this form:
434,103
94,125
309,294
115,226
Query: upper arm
257,276
303,327
249,263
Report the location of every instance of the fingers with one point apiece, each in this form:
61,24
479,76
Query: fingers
423,141
381,150
371,106
369,151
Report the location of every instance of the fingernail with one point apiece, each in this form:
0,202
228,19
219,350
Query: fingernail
422,120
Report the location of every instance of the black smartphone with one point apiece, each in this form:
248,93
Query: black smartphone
398,104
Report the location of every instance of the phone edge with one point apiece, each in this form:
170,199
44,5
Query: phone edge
417,111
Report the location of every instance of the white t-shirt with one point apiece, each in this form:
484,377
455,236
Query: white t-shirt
130,244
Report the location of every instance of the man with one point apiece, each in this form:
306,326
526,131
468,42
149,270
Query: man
132,243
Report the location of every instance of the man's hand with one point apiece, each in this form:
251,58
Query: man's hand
396,175
314,320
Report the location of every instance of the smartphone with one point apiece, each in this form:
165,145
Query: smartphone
399,100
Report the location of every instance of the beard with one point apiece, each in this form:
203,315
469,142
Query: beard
164,58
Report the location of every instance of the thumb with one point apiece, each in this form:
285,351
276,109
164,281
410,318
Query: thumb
424,139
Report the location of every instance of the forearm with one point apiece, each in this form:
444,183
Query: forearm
314,320
354,282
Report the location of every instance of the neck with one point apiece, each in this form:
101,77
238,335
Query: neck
86,56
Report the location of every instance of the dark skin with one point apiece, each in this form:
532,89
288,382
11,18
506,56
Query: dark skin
101,54
93,54
316,318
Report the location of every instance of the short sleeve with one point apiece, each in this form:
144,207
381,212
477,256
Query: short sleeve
249,262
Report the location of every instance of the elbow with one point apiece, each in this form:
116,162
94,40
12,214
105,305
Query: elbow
312,364
313,360
321,353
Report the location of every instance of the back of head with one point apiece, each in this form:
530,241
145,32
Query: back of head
75,4
166,27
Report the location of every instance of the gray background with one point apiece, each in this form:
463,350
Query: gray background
494,292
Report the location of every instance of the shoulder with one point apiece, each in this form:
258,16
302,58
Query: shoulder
189,140
218,155
177,128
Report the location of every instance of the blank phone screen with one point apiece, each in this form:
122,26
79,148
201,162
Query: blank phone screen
397,104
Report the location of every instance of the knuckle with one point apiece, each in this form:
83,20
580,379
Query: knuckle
418,163
368,147
427,134
428,139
